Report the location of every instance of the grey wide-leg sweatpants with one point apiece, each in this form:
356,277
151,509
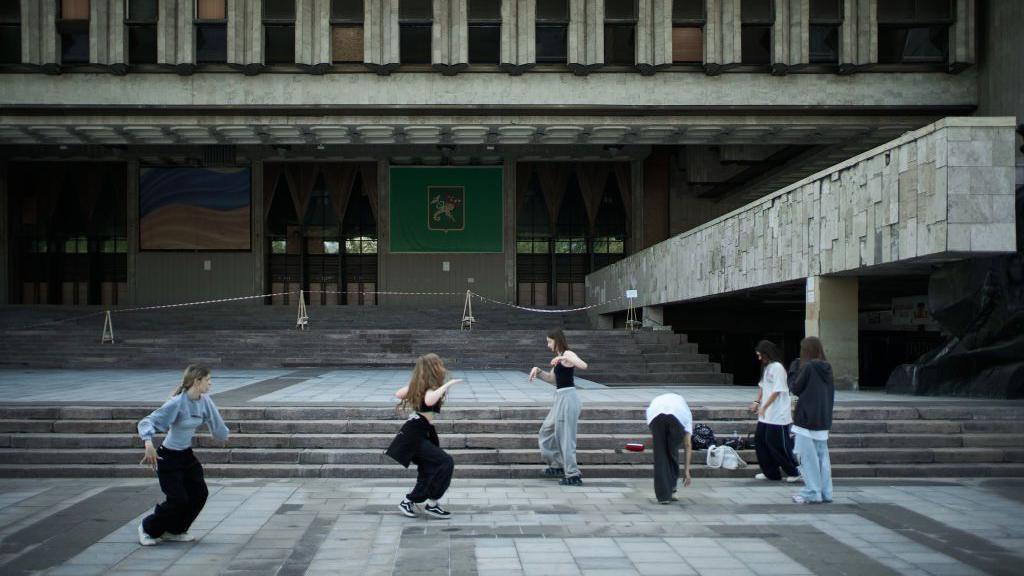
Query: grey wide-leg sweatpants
558,432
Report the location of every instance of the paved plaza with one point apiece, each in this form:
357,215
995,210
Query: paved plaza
501,527
355,387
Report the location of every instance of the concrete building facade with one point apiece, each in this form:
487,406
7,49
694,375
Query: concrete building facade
621,128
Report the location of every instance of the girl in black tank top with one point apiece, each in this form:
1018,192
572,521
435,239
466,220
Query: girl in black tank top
564,376
557,436
417,441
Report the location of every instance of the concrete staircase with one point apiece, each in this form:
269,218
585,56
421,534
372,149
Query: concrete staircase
341,336
497,442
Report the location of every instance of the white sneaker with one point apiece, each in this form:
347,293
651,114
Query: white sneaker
760,476
183,537
145,539
792,479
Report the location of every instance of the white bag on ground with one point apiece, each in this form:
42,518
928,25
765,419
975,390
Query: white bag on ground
724,457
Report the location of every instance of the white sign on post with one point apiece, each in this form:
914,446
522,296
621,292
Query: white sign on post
630,293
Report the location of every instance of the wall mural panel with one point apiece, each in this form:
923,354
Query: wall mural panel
183,208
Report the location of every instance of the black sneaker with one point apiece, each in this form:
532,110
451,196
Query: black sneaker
437,512
571,481
554,472
408,508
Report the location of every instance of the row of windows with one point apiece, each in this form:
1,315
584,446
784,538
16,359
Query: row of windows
355,245
79,245
577,245
909,31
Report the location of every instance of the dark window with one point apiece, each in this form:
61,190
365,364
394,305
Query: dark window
620,32
907,11
826,11
10,33
141,21
347,10
687,11
688,31
415,21
826,18
73,27
279,31
914,31
347,30
282,10
484,31
757,17
552,31
211,31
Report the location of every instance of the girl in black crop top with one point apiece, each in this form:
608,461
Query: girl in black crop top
564,363
557,435
417,441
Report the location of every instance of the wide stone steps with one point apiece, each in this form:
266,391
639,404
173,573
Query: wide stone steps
498,441
253,336
274,470
722,429
523,456
482,440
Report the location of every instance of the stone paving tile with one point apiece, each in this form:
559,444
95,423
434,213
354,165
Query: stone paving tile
353,387
254,527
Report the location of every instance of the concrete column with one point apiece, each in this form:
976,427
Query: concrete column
832,316
132,225
5,237
653,36
636,235
449,46
39,44
654,317
518,35
585,47
791,35
107,30
602,321
245,34
259,246
175,35
383,227
509,197
962,39
722,35
380,35
858,37
313,33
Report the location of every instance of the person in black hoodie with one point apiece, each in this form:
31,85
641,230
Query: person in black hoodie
810,379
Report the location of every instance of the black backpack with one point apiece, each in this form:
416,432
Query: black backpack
703,437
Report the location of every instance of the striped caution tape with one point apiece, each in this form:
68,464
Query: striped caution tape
199,303
386,293
544,310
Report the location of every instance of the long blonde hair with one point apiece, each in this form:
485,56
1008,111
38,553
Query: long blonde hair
193,374
429,374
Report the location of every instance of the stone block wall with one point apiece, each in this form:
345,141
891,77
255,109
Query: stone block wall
943,192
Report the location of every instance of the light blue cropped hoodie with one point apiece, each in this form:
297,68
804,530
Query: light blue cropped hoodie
180,416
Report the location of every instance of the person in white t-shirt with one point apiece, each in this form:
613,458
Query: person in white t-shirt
773,443
671,424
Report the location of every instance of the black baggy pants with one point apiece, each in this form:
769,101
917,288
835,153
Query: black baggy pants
668,435
181,479
434,469
774,447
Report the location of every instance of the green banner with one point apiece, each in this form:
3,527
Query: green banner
446,209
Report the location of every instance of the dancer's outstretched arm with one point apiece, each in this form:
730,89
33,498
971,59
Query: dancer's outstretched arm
402,392
570,357
548,377
434,396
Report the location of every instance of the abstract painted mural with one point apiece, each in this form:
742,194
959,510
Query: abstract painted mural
183,208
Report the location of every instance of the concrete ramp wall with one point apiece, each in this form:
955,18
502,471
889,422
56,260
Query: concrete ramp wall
940,193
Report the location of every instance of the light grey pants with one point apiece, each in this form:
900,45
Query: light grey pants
558,432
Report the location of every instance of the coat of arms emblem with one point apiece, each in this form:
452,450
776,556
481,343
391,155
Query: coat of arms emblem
446,208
